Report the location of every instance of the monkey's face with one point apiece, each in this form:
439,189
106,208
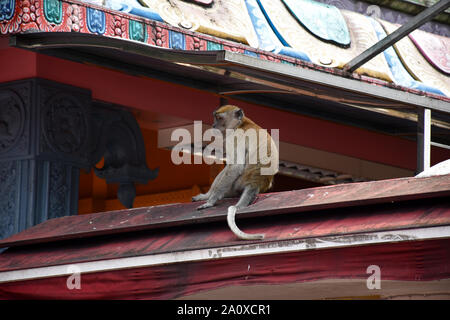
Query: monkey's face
229,119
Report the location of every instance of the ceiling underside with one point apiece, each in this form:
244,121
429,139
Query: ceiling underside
303,91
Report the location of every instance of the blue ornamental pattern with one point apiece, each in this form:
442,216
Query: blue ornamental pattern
251,54
177,40
268,39
323,20
96,21
400,75
134,7
6,9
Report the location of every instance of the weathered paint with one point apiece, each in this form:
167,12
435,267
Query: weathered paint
346,195
330,242
324,224
408,261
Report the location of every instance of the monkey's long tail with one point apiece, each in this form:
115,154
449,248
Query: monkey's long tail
240,234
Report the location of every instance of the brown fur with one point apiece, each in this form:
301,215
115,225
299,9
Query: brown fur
243,179
252,174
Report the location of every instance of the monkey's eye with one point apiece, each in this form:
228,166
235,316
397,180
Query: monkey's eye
218,117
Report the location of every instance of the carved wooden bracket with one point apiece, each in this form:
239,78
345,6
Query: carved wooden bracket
119,141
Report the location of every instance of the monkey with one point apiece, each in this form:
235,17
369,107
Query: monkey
243,178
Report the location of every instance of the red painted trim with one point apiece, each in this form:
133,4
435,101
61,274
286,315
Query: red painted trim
407,261
136,92
16,64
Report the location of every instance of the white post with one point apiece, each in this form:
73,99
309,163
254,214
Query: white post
423,139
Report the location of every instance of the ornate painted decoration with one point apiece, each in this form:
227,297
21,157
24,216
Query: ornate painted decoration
53,11
269,38
202,2
325,53
134,7
391,11
260,23
323,20
176,40
436,49
75,19
137,31
416,64
223,19
6,9
399,73
214,46
96,21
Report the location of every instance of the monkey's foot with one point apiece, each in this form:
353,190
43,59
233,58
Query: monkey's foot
200,197
205,205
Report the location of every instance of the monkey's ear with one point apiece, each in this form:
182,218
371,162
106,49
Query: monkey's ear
239,114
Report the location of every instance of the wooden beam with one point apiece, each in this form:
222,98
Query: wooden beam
401,32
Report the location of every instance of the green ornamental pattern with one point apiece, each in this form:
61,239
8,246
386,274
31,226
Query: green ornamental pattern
137,31
214,46
53,11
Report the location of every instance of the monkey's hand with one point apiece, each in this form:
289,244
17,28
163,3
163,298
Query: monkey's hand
200,197
205,205
238,232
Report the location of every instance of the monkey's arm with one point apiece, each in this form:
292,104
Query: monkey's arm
225,182
205,196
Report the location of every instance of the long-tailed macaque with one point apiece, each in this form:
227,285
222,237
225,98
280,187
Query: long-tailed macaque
247,175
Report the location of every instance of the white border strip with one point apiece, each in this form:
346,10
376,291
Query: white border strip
262,248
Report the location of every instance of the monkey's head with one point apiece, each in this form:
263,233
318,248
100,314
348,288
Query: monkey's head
227,117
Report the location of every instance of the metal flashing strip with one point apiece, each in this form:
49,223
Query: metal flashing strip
274,75
51,40
216,253
277,73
